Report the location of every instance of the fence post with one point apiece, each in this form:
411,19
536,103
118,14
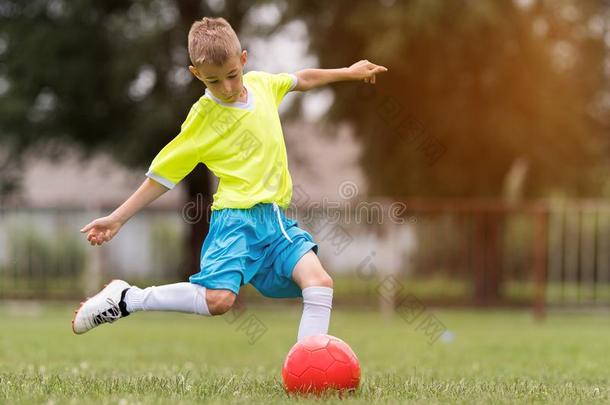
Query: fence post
91,279
540,249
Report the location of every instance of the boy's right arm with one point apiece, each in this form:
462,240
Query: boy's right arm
103,229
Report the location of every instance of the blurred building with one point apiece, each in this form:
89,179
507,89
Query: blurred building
319,163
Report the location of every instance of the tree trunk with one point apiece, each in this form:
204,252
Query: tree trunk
488,259
196,213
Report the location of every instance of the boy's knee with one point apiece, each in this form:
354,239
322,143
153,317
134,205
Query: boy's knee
319,280
326,281
220,301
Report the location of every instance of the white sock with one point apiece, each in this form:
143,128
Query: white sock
317,303
179,297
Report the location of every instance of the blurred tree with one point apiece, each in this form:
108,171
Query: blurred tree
104,75
474,88
482,99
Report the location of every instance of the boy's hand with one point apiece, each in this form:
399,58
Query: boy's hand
102,230
365,70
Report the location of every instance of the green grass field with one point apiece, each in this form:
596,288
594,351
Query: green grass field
494,357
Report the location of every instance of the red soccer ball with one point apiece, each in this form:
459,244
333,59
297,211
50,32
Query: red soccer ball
318,363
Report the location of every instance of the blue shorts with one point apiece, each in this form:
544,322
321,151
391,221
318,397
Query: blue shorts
258,245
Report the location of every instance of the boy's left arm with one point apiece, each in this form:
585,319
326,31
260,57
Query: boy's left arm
308,79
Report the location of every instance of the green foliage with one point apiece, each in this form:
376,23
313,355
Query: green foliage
72,67
472,87
41,265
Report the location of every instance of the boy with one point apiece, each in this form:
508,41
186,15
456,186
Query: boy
250,239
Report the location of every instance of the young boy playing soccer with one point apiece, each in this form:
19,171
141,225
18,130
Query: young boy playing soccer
250,240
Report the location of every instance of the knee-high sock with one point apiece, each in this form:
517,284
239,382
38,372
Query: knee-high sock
317,304
179,297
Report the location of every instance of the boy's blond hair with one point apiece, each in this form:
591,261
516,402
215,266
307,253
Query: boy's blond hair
212,40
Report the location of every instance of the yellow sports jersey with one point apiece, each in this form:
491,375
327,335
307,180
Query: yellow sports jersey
241,143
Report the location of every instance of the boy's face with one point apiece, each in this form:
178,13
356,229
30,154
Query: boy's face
225,82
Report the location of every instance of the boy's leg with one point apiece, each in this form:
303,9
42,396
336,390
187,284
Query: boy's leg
317,290
180,297
118,299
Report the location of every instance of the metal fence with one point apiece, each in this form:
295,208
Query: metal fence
468,252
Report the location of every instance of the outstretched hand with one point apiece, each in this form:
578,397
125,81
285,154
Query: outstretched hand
102,230
365,70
